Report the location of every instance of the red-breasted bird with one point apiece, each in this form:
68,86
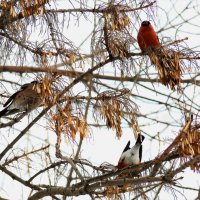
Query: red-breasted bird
131,156
26,99
166,61
147,37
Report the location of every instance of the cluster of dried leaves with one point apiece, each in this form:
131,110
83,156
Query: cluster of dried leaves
25,7
115,30
189,145
68,116
49,89
64,122
13,11
168,65
31,7
114,36
112,107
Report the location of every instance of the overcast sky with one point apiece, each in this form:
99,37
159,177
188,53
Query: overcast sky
102,145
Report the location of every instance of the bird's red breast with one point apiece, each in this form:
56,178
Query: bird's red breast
147,37
122,165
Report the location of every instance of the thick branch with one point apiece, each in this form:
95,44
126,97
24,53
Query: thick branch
75,74
99,10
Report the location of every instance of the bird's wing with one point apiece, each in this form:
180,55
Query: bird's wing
127,147
11,98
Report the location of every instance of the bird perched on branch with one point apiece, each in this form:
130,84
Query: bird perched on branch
147,37
26,99
131,156
166,61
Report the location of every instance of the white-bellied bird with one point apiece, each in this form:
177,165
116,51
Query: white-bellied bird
131,156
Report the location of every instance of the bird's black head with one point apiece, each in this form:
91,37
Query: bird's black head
145,23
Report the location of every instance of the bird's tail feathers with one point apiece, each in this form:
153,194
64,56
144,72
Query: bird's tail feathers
3,112
140,139
6,112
